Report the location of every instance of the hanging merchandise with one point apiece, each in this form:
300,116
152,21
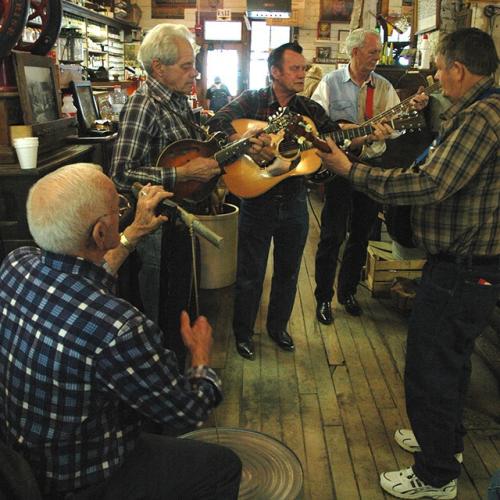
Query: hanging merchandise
425,53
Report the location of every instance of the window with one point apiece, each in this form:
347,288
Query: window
223,30
263,39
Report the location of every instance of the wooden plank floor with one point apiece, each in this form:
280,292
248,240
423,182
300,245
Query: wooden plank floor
338,399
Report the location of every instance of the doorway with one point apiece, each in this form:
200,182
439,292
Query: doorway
225,63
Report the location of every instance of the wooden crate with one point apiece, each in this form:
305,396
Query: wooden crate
382,268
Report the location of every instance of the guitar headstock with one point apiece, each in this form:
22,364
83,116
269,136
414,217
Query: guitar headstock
279,120
412,121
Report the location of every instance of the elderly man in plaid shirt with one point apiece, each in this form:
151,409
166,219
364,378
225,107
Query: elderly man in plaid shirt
82,370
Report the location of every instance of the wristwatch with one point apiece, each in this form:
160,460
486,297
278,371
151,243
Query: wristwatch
126,243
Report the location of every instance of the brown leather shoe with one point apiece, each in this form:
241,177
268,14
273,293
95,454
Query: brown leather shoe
324,313
283,339
246,349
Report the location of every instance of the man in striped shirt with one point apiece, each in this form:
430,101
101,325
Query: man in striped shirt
81,370
455,218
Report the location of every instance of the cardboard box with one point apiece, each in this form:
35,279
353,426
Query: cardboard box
382,268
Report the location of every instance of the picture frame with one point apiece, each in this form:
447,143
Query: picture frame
324,30
336,11
342,35
38,88
426,16
86,105
323,53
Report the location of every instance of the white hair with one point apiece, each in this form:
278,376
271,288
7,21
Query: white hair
161,43
63,205
357,38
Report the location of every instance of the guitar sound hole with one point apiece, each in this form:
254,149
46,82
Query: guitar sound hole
288,149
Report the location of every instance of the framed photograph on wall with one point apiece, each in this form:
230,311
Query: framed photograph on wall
323,53
324,30
171,9
426,15
38,88
336,11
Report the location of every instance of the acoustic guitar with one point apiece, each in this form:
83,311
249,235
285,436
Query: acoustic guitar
180,152
297,144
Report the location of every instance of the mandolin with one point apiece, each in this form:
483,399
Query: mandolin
180,152
296,144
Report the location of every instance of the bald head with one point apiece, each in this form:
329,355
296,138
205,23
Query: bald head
63,206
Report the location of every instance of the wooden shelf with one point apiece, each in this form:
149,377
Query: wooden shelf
77,10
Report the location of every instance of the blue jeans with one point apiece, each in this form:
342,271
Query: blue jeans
149,250
494,487
284,219
451,310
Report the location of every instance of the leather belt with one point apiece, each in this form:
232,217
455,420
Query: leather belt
475,260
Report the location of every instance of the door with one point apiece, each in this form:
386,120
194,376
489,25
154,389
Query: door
224,61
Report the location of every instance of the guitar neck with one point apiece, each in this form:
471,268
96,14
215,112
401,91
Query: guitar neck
339,136
230,153
403,105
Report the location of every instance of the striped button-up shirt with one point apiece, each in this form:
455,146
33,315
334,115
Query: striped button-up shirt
80,369
153,118
455,194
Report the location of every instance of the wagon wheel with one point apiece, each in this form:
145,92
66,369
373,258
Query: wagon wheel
45,18
13,16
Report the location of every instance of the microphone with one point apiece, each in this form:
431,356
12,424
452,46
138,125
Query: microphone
170,208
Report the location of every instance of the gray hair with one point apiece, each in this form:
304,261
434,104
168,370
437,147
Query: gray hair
161,43
62,206
356,38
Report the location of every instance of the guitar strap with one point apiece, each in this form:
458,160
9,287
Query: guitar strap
369,102
196,131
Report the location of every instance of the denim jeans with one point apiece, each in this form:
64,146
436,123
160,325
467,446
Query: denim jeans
149,251
344,209
494,487
282,218
451,309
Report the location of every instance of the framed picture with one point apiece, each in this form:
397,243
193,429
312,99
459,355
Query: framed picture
172,9
324,30
85,103
342,35
426,16
323,53
337,11
38,88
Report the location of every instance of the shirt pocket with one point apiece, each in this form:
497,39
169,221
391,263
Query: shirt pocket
342,109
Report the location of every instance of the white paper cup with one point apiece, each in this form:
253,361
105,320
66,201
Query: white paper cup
27,154
25,141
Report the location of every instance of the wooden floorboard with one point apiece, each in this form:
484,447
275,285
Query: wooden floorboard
337,400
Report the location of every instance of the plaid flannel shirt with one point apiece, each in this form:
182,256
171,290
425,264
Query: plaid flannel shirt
153,118
80,368
455,194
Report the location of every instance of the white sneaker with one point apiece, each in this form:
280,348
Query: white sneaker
405,484
407,440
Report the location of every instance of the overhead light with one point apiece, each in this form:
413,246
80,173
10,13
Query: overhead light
266,14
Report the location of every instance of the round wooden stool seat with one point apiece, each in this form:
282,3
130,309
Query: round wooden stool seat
270,469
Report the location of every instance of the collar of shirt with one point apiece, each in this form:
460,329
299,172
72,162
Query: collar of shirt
347,76
160,93
469,97
70,264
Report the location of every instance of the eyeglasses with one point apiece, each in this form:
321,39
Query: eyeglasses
123,207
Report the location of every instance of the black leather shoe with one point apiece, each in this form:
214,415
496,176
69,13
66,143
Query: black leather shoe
283,339
246,349
351,305
324,313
